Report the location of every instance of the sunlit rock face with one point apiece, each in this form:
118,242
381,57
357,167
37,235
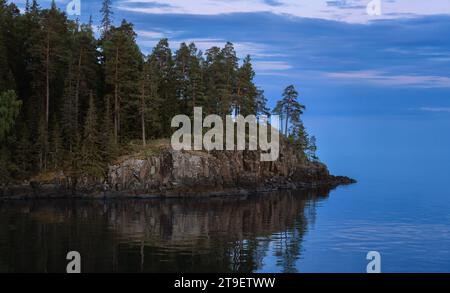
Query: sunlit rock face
174,173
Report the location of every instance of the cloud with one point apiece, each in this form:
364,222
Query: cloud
264,66
436,109
274,2
151,34
407,53
342,10
384,79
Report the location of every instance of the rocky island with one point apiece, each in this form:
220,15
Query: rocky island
69,117
160,171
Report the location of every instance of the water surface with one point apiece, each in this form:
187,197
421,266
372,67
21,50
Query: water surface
171,235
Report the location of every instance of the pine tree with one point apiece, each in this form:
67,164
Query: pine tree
246,92
7,81
123,60
53,51
149,99
278,110
312,149
107,14
22,151
55,146
48,65
291,107
27,6
30,82
230,67
108,147
182,70
91,160
167,92
69,111
215,84
82,78
261,104
41,144
10,105
196,85
9,109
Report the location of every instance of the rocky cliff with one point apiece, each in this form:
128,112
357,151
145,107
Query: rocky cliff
170,173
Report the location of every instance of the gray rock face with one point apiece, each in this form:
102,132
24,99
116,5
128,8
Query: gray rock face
189,173
186,172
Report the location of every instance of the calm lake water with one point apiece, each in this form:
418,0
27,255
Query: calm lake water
279,232
204,235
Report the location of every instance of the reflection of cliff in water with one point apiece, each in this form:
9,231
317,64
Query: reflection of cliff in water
205,235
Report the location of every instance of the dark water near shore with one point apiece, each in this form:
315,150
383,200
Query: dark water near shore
301,231
204,235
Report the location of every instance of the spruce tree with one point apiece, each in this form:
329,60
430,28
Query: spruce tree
22,151
91,160
107,14
9,109
108,147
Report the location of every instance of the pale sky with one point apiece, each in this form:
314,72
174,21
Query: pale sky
353,11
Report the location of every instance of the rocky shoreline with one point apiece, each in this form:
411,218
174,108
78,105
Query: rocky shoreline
168,173
37,191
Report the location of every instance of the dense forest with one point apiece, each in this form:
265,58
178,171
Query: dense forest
72,101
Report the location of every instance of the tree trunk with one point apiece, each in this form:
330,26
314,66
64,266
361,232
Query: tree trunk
193,95
143,114
116,99
47,82
281,122
47,98
287,121
77,90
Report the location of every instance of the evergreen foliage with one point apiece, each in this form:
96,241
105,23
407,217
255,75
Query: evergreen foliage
71,102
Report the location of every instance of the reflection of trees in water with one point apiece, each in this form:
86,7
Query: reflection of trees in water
204,235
